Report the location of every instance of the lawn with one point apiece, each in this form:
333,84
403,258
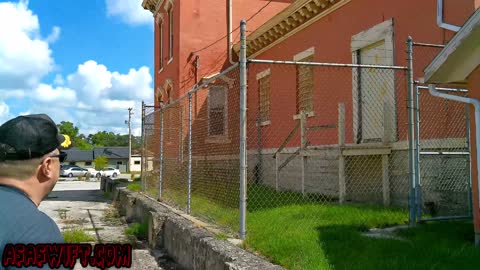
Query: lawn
306,233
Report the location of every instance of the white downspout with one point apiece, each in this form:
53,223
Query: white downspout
229,34
476,104
440,22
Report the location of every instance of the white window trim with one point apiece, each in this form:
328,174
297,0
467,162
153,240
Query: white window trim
224,137
381,32
159,93
168,85
299,56
308,52
263,74
264,123
168,5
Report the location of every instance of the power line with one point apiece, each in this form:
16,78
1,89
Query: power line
220,39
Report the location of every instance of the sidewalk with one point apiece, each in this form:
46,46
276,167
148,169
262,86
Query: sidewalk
81,206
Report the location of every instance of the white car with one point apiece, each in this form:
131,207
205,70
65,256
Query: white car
73,171
110,172
94,173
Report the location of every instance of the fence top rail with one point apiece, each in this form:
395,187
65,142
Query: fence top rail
445,89
261,61
200,86
428,45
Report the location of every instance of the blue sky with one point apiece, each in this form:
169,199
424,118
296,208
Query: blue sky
81,61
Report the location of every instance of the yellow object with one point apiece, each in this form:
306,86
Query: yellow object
67,141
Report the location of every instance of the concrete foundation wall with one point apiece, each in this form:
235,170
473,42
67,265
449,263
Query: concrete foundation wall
444,178
184,239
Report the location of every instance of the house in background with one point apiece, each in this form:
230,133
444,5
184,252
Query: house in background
136,163
82,158
117,157
459,64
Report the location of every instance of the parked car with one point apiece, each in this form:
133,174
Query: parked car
94,173
67,166
110,172
73,171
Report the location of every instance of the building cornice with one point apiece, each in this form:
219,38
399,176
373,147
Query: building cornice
152,5
294,18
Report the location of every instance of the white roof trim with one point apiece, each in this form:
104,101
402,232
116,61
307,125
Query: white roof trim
460,56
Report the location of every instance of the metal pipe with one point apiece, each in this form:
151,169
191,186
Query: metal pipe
428,45
445,89
440,21
469,165
189,200
144,138
417,154
261,61
476,105
445,218
160,185
431,153
411,132
243,129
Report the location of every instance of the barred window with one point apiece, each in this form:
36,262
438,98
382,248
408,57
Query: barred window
305,86
170,33
160,41
264,98
217,111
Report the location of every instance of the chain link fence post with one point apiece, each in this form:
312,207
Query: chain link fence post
144,145
411,131
189,197
243,129
160,178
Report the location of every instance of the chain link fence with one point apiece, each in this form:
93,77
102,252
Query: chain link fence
334,141
192,146
442,146
327,145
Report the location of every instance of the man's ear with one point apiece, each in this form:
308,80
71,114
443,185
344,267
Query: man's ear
46,169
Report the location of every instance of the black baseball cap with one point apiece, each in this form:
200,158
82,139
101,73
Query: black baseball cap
30,136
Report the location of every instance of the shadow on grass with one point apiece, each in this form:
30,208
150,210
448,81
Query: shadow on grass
441,245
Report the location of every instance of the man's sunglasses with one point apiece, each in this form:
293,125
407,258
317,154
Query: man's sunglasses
61,157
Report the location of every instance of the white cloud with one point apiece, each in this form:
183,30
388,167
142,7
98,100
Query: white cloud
134,85
47,94
93,97
59,80
4,112
91,80
25,57
129,11
54,35
104,96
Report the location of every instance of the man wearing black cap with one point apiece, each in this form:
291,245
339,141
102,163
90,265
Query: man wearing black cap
29,169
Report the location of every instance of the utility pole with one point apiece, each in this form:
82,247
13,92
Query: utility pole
129,138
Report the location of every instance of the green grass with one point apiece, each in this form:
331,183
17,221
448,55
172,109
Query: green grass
134,186
312,232
139,230
77,236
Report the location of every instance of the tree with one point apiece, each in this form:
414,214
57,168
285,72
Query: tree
83,145
100,162
68,128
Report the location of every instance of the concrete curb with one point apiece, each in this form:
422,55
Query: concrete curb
190,245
